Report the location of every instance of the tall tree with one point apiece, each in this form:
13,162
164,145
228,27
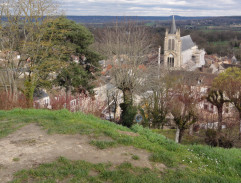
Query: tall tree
184,104
217,98
157,101
183,110
126,46
22,33
230,80
73,40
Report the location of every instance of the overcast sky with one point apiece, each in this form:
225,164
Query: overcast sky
152,7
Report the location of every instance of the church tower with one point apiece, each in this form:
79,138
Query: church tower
173,47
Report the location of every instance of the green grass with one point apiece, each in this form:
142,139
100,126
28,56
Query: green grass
64,170
187,139
185,163
16,159
135,157
9,126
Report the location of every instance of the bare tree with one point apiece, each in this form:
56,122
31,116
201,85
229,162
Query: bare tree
230,82
217,98
22,32
183,110
186,97
126,46
112,102
157,96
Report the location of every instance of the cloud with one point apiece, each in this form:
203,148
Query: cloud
152,8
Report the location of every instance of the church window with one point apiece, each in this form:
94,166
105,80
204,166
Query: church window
173,44
169,44
170,61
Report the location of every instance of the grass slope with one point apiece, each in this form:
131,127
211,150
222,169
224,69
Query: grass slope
186,163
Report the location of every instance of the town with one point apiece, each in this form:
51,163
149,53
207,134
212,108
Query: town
118,99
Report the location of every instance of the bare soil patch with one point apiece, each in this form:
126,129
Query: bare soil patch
33,146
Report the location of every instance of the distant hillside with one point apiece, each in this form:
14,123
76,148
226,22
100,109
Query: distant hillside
110,19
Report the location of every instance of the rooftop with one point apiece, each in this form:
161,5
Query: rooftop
187,42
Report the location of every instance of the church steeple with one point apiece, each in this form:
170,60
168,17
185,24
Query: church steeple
173,28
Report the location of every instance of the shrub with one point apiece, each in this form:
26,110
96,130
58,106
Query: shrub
225,142
8,103
128,114
80,103
211,137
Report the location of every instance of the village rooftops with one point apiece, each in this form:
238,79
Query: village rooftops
226,66
194,78
40,94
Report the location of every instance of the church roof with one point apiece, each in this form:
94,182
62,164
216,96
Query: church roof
187,42
173,28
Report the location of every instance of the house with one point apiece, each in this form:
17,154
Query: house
41,99
112,97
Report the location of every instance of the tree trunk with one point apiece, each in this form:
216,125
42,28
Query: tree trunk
108,103
220,118
68,97
14,88
239,125
115,109
127,96
177,135
14,92
181,135
191,130
29,91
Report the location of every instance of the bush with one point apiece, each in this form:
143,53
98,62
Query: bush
128,114
225,142
213,138
7,102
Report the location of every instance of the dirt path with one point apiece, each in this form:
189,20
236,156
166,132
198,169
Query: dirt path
31,146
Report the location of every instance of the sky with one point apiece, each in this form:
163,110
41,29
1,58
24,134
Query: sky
152,7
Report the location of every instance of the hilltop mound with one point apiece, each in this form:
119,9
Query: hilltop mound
93,150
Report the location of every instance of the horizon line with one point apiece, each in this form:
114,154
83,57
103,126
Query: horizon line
148,16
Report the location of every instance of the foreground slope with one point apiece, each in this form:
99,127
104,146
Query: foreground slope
165,161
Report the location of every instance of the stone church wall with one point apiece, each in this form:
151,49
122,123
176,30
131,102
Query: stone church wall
186,56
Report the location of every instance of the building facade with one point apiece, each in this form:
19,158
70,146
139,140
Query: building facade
181,52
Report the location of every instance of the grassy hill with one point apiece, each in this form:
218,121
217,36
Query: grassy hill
184,163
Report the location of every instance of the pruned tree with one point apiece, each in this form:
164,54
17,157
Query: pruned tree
112,102
126,46
184,110
157,96
217,98
185,102
230,81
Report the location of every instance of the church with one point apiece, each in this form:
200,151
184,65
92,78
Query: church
181,52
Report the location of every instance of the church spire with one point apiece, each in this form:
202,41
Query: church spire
173,28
